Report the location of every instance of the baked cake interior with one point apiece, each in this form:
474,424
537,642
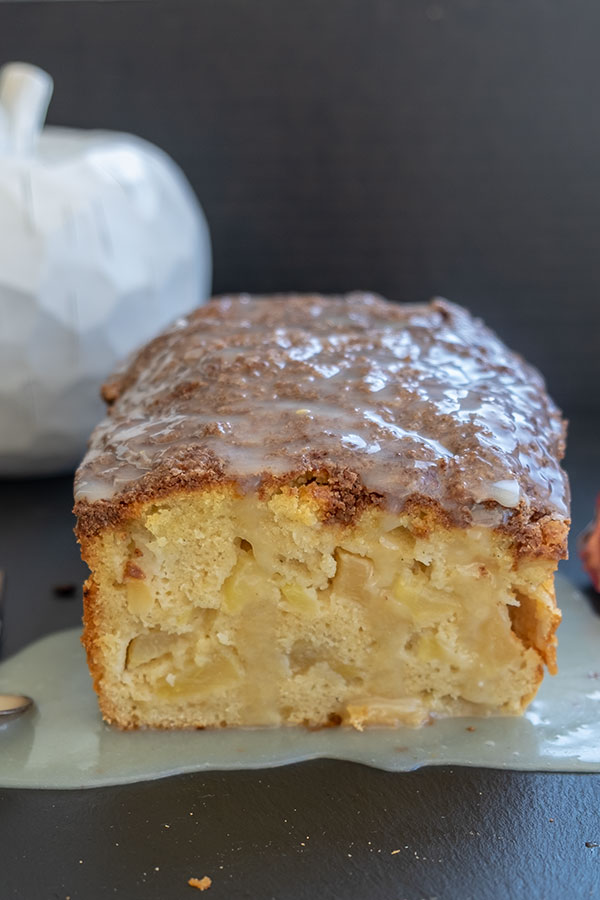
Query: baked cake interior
254,610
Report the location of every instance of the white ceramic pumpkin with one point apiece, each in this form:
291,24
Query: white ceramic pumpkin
102,244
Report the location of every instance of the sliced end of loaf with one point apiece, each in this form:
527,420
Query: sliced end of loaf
212,609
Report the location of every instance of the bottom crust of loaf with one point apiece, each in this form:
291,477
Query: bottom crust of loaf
210,609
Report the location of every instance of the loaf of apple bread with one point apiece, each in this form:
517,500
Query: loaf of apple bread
311,510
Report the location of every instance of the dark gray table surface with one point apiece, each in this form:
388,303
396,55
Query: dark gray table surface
316,830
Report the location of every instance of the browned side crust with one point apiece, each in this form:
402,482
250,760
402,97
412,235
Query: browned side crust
340,495
341,498
90,640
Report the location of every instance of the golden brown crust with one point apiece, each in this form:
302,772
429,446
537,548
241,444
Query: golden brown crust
545,537
90,637
339,492
193,469
340,498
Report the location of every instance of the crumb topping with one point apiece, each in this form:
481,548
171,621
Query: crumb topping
381,402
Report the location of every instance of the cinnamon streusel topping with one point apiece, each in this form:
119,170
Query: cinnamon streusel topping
400,401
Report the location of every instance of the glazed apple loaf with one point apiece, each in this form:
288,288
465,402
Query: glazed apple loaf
311,510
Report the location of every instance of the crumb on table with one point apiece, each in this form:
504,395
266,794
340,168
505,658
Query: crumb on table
64,590
202,884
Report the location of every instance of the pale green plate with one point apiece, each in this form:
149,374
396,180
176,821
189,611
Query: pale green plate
63,743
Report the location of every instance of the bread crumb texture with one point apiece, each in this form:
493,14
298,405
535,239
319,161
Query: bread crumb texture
213,609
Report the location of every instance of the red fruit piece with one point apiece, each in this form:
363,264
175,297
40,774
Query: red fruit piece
589,549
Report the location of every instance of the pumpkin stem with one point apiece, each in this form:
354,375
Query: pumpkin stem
25,93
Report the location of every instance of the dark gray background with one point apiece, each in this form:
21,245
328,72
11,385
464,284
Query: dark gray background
403,146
